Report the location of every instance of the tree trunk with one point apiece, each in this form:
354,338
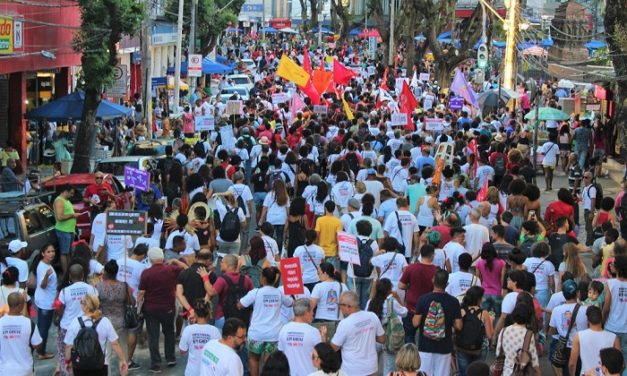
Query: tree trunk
86,136
313,20
303,15
616,15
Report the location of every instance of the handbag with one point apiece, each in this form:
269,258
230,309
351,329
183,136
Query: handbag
131,319
496,368
559,358
523,363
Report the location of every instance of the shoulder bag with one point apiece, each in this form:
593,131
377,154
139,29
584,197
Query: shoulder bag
131,319
559,357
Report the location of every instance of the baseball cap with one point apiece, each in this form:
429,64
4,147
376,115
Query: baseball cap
354,203
372,171
569,287
17,245
155,253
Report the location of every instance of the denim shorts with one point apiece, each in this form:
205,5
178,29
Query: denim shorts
65,241
258,198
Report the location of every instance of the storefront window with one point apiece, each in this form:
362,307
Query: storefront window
39,88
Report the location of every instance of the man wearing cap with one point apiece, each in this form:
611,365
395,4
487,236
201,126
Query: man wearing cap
353,211
157,286
17,250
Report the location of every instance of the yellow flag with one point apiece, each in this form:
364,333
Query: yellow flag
347,109
292,71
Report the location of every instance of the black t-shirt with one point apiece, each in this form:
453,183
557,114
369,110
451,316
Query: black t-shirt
528,173
259,182
193,287
452,312
557,243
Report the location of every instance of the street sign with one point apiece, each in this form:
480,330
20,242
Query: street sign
159,81
118,89
136,178
126,222
194,65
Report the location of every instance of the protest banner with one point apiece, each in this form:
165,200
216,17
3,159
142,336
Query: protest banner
204,123
126,222
434,124
399,119
227,136
292,276
320,109
136,178
427,104
279,98
348,247
424,77
456,103
234,108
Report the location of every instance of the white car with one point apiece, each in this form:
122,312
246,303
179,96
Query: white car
227,92
241,80
250,65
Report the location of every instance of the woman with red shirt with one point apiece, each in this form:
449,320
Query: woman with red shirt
563,207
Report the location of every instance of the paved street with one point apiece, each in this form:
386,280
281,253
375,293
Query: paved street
610,188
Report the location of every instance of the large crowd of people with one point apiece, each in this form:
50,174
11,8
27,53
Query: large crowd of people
457,256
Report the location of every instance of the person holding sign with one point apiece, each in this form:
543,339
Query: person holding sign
311,256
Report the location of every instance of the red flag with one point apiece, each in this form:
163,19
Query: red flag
483,192
384,83
407,104
321,79
310,91
341,74
306,62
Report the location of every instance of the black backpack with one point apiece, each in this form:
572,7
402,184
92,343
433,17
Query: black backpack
230,226
353,162
233,295
499,165
470,339
273,175
365,254
87,354
599,198
240,201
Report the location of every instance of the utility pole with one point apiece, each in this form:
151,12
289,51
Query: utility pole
146,64
391,49
192,45
509,70
179,53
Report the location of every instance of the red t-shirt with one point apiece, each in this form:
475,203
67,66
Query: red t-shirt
221,288
95,189
419,278
555,210
159,282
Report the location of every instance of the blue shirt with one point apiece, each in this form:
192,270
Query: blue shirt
139,201
423,161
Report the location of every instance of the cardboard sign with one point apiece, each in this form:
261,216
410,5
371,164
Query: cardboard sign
424,77
126,222
292,276
136,178
204,123
227,136
456,103
320,109
234,108
434,124
427,104
348,248
399,119
194,65
370,70
399,84
279,98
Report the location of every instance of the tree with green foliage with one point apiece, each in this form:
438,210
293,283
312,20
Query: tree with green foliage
615,21
103,23
211,21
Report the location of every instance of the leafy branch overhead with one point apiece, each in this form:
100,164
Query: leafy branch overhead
210,21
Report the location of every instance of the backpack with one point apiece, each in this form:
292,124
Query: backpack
86,351
522,361
599,198
272,176
499,166
253,271
233,295
435,323
230,226
353,162
526,245
394,330
365,268
240,201
470,339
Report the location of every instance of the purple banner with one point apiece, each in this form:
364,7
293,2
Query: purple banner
456,103
136,178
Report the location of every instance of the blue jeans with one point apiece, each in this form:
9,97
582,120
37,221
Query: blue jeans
583,155
65,241
360,286
543,297
463,360
333,260
278,235
388,359
492,303
44,321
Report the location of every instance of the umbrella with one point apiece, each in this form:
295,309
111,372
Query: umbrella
288,30
595,44
211,67
323,29
547,113
70,107
566,84
354,32
268,30
489,99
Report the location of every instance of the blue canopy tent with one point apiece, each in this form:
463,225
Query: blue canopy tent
324,30
446,37
70,107
354,32
234,30
222,60
268,30
595,44
547,42
208,67
498,44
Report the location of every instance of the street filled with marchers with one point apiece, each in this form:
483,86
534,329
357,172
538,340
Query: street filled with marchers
314,202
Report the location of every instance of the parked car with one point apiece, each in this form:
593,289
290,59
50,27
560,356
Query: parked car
227,92
150,148
123,197
26,218
115,165
241,80
250,65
